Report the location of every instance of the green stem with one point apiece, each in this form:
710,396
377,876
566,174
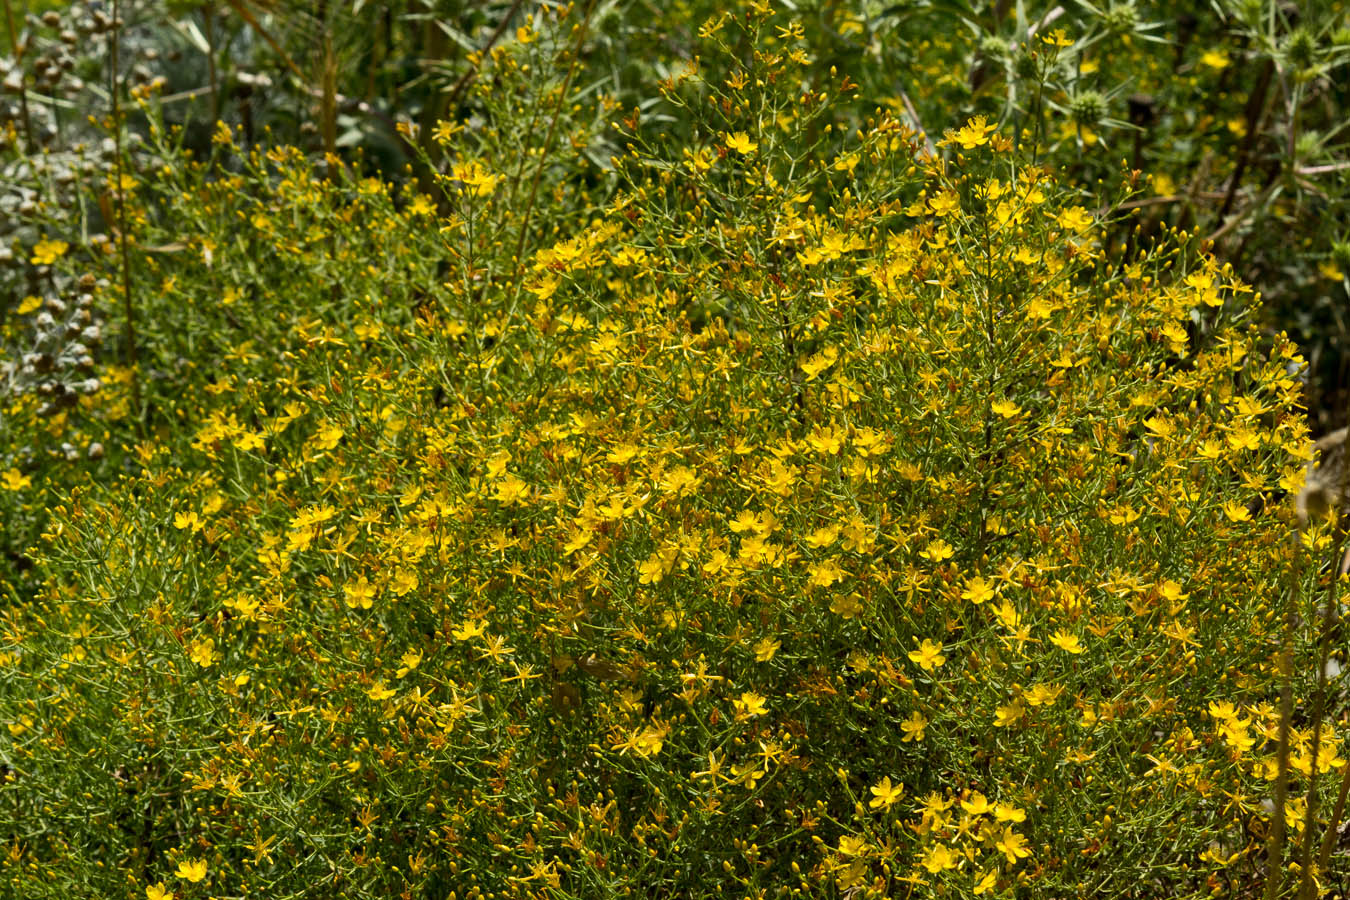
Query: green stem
518,262
119,197
1275,853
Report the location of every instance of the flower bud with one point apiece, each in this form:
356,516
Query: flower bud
1088,108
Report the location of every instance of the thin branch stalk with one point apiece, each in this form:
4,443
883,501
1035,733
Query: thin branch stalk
582,30
119,197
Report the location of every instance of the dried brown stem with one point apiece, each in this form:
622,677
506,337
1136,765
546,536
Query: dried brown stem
247,15
1255,113
917,122
461,85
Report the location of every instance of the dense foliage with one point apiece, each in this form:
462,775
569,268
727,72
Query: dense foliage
667,457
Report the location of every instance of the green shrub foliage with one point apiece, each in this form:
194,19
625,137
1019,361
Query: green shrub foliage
793,503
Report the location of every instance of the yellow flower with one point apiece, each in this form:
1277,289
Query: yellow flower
469,630
741,143
978,590
716,562
1057,38
823,536
977,805
1008,714
651,570
1235,732
1042,694
846,605
475,178
1075,219
765,649
1160,426
203,653
749,705
937,551
649,741
944,203
940,857
1067,642
14,480
975,133
158,892
188,520
403,582
913,727
193,870
1013,845
1181,633
812,367
1005,408
700,160
409,661
328,436
511,490
46,252
494,647
445,132
884,794
359,593
1243,438
852,845
929,655
1008,615
1214,59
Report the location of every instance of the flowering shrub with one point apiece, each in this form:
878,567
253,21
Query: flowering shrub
1233,112
779,509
